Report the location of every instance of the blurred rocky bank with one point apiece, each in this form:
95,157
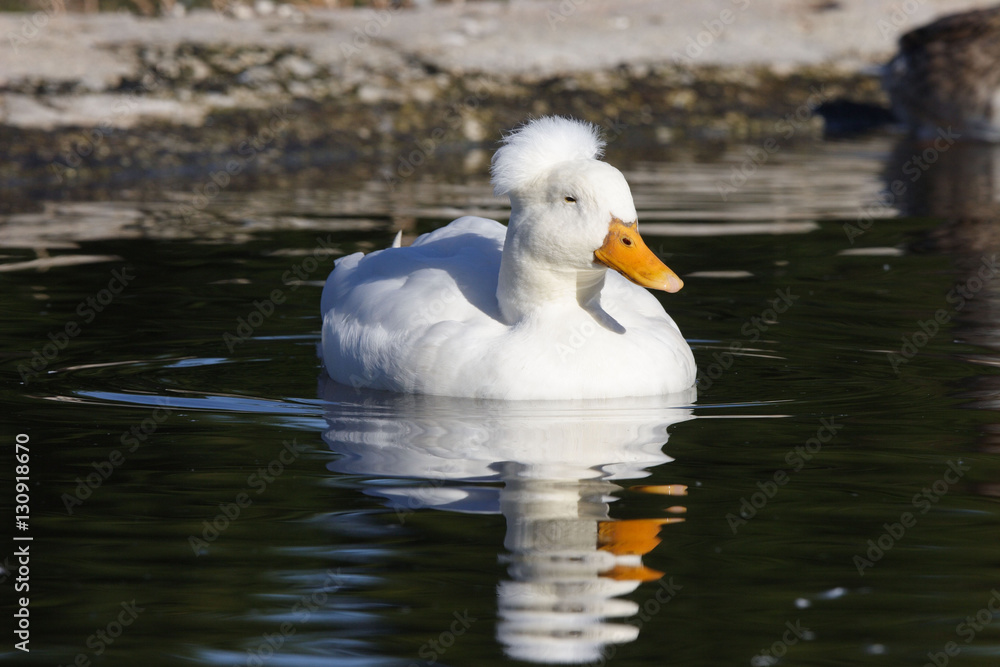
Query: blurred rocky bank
102,96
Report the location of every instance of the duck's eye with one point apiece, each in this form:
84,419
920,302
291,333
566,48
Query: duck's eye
569,200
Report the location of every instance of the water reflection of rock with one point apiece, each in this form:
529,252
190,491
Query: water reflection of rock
962,189
960,186
569,562
958,182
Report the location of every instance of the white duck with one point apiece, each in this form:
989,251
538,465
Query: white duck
529,311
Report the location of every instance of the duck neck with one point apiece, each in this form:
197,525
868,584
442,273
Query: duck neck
528,283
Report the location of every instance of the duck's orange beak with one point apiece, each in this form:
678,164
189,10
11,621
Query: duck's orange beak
626,252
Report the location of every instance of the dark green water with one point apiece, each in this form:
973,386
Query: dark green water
199,496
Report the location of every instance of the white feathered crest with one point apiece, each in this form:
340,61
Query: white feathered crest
539,144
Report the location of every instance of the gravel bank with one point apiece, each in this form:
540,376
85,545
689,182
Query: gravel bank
86,97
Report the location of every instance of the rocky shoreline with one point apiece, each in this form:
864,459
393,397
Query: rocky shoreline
101,98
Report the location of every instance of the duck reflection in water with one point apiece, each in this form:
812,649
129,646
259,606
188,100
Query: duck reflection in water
560,464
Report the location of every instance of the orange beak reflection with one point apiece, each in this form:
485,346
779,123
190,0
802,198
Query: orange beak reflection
626,252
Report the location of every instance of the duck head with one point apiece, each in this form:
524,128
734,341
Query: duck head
572,218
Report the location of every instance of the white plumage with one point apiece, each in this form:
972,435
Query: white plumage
537,147
528,311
